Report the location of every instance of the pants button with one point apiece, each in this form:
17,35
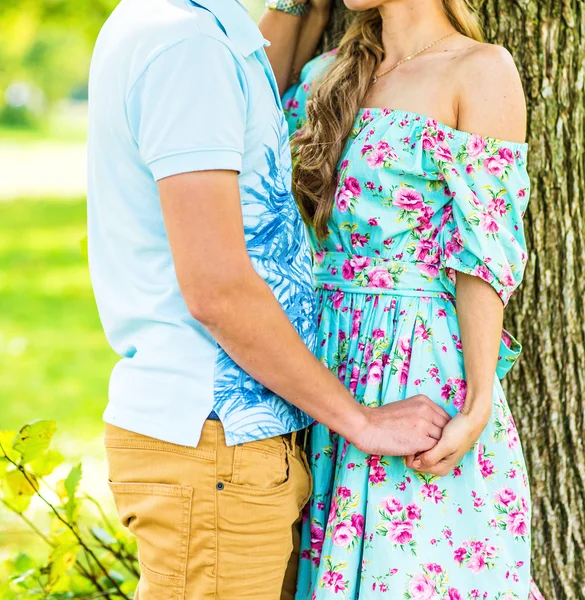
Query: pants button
220,486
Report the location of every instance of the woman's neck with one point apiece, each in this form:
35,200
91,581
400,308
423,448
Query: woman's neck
409,25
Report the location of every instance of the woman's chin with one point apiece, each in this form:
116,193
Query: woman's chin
361,5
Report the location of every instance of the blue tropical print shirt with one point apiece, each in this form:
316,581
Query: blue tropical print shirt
179,86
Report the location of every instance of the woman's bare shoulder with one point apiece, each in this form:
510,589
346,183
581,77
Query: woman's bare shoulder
490,96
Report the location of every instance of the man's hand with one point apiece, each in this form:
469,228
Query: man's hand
401,428
459,436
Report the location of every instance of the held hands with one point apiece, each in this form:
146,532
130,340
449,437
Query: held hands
403,428
459,436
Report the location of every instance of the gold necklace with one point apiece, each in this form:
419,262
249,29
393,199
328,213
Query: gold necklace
406,59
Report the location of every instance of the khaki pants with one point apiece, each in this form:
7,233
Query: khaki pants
212,522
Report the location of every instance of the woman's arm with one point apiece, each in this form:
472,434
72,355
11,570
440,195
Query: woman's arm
491,104
293,40
480,313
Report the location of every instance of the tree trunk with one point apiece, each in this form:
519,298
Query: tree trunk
547,388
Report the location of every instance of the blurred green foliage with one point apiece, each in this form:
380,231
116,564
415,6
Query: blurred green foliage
54,359
48,43
83,554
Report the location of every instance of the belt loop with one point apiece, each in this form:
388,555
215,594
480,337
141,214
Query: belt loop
293,442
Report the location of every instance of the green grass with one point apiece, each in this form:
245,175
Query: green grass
54,359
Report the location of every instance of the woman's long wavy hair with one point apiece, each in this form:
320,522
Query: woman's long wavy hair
333,106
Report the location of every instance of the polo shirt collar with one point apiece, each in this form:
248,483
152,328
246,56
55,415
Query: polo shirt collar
234,18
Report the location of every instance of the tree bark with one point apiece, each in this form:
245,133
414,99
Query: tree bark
546,390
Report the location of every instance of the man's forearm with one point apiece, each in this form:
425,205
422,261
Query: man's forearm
480,314
250,325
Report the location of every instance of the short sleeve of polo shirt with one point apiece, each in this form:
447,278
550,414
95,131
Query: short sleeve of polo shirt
188,109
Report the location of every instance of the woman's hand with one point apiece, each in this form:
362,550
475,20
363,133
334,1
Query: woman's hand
459,436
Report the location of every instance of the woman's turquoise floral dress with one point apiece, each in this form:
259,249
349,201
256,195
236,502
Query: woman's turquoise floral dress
416,202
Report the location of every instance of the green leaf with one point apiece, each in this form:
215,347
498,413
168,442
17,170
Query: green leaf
23,562
18,490
61,560
46,463
34,439
20,579
71,484
72,480
6,439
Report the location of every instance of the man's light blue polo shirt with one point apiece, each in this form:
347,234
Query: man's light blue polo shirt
178,86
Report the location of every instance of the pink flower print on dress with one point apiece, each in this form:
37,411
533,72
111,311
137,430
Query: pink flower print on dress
358,240
380,278
358,522
506,276
517,523
377,475
366,148
337,299
428,141
343,200
317,537
455,391
475,146
353,382
460,554
407,198
333,581
477,563
353,185
498,206
421,332
431,491
420,587
342,371
375,372
347,271
428,251
495,166
291,103
488,222
443,153
376,158
454,594
484,273
424,219
391,505
320,256
413,512
400,532
506,155
404,345
505,496
343,492
343,534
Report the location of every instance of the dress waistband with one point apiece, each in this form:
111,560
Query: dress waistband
376,275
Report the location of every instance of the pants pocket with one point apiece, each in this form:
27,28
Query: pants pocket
159,516
256,527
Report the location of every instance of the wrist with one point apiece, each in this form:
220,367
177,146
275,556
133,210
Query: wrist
478,411
359,426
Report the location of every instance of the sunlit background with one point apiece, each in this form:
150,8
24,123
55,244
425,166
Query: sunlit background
54,360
